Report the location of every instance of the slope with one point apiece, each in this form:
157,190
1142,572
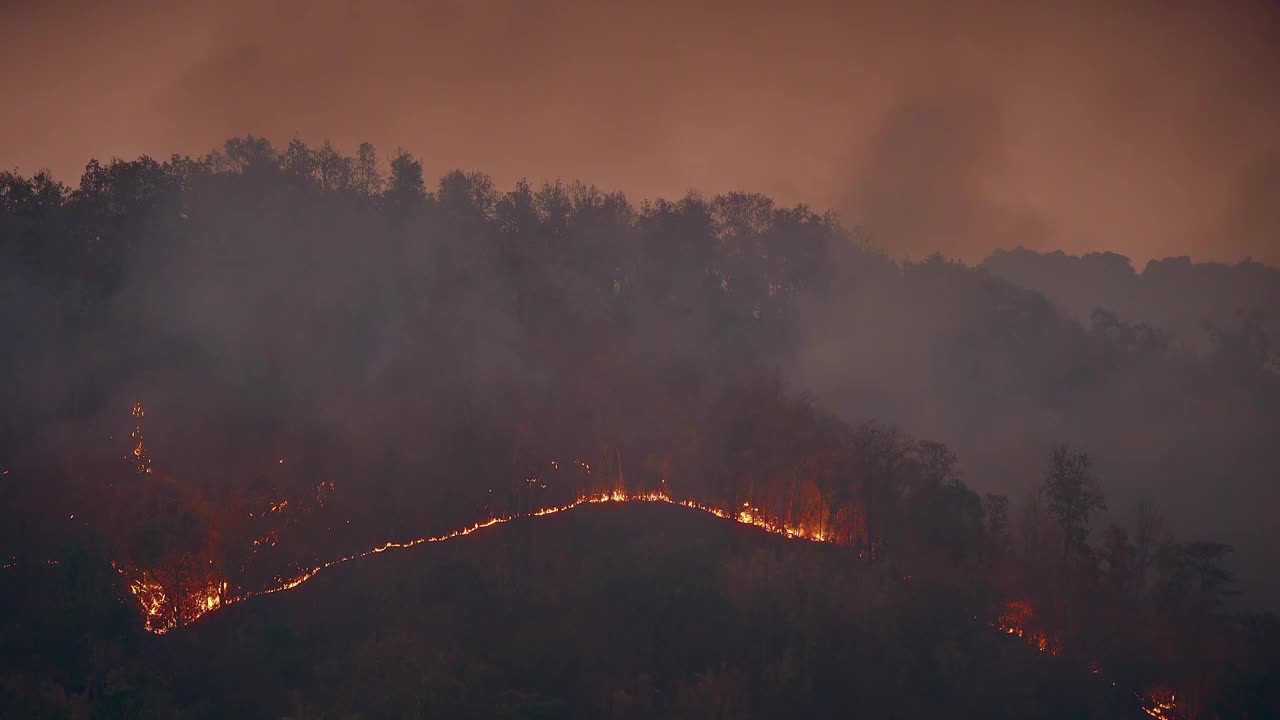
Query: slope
617,611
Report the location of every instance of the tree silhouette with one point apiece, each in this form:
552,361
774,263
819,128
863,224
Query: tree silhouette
1193,575
996,509
1072,495
367,177
405,186
1121,559
423,359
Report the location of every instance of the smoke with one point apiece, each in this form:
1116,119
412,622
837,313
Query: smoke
1254,216
1118,126
1138,128
924,187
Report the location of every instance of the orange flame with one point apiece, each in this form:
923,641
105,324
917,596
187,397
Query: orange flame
160,616
1161,704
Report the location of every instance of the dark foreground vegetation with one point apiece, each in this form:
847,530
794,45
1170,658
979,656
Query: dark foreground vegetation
323,356
603,612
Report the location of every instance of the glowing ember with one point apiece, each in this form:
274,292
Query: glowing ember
139,455
198,597
1016,619
160,614
748,517
1160,704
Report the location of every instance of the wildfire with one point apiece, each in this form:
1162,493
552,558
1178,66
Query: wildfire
160,616
1161,704
162,613
614,496
747,516
1015,620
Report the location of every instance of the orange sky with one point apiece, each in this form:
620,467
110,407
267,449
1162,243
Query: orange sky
1148,128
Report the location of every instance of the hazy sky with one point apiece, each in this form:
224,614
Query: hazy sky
1150,129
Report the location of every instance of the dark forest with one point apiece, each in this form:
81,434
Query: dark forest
1041,486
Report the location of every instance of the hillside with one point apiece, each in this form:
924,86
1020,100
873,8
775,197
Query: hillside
630,611
234,369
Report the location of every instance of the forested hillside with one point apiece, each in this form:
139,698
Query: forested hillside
322,354
1207,307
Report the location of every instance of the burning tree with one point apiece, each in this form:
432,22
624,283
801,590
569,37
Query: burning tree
169,543
170,555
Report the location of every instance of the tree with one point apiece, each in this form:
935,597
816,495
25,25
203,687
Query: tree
170,554
1242,347
368,179
250,155
885,460
334,169
298,161
953,520
1072,494
944,511
997,512
1149,536
405,185
1121,559
468,196
1194,576
1140,339
939,465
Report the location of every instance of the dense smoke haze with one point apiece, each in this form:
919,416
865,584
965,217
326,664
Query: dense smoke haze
263,299
1142,128
980,300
